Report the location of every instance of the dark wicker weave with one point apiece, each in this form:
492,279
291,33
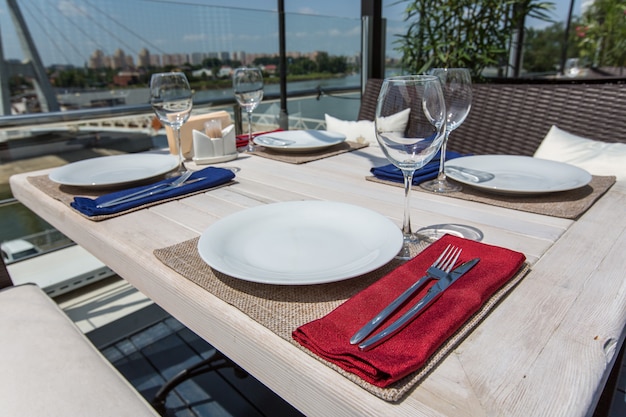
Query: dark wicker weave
5,279
513,119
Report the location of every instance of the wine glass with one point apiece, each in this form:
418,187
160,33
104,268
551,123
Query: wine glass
170,96
457,91
248,88
414,146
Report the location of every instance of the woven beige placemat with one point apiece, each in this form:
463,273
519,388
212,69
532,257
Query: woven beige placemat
565,204
304,157
283,308
66,194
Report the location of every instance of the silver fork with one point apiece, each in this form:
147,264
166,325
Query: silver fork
439,269
147,191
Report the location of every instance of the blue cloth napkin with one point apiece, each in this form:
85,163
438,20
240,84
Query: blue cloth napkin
206,178
427,172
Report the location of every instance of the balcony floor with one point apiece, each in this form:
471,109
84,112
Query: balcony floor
148,347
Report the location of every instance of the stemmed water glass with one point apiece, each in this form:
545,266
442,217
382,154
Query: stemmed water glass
171,99
414,146
457,91
248,88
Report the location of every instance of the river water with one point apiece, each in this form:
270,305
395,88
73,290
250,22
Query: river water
342,108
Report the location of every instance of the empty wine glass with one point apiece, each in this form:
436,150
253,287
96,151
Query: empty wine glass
414,146
170,96
248,88
457,91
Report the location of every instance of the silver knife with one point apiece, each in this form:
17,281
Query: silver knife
271,141
469,174
433,293
145,193
376,321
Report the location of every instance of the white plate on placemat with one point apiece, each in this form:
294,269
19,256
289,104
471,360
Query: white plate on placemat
514,174
299,140
300,243
116,170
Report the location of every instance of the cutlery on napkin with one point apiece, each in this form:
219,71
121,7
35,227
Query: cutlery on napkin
411,348
242,140
428,172
199,180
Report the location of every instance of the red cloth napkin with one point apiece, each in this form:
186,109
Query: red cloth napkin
410,349
242,140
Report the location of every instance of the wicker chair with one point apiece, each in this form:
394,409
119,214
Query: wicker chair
513,118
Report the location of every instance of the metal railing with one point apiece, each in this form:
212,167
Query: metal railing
144,113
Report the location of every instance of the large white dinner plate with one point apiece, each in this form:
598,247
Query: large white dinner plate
300,243
113,170
514,174
299,140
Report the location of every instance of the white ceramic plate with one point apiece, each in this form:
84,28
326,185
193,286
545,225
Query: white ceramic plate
299,140
108,171
520,174
300,243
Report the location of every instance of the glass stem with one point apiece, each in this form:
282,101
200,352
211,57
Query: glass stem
442,173
179,146
406,223
250,143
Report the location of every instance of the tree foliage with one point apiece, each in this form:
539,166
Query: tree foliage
473,34
543,47
601,33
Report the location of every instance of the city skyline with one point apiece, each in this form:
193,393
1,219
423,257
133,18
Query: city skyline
123,61
67,31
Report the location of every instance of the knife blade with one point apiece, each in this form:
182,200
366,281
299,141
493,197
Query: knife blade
377,320
271,141
145,193
433,294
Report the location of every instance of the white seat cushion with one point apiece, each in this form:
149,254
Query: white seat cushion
364,131
598,158
49,368
360,132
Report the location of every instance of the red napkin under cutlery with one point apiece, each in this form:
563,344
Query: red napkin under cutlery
410,349
242,140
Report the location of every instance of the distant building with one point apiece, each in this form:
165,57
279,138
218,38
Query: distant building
239,56
174,59
203,72
155,61
143,58
196,58
270,69
130,63
125,78
97,60
225,71
119,59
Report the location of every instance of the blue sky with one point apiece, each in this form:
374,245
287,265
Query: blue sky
70,30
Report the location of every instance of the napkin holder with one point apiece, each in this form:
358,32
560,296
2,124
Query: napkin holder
195,122
208,150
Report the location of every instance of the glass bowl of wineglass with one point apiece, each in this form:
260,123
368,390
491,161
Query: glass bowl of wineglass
171,99
457,91
421,139
248,88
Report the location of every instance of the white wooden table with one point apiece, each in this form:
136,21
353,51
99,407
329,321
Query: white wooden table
546,350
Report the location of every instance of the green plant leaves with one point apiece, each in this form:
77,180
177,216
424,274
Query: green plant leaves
463,33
